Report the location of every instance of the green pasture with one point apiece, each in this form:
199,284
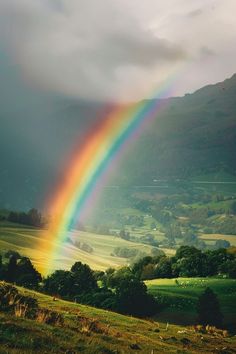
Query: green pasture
180,297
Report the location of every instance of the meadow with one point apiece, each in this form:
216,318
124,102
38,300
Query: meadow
93,331
25,240
211,238
181,297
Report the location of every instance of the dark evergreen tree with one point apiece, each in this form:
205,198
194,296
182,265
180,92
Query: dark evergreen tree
208,309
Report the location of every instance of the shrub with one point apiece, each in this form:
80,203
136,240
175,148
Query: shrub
11,300
49,317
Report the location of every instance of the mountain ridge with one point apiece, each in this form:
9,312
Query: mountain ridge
194,135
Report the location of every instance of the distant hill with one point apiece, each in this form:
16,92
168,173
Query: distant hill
195,135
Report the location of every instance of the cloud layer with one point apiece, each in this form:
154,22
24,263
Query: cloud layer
119,49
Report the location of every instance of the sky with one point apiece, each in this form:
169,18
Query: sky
117,50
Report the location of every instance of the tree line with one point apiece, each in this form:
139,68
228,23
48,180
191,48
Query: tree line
187,262
122,290
32,218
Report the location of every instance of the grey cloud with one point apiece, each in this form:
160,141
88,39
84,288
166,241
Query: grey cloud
195,13
144,50
107,49
79,48
206,51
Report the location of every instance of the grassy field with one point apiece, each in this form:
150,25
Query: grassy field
25,241
213,237
113,333
181,296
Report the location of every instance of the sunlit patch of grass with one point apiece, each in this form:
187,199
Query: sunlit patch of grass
181,296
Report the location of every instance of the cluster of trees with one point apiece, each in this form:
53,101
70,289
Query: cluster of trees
226,225
149,239
19,270
124,234
120,291
123,290
125,252
188,262
83,246
188,236
33,218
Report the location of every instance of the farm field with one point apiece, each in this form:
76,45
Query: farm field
112,333
25,241
181,296
213,237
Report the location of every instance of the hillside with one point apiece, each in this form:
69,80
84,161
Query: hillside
25,241
194,135
89,330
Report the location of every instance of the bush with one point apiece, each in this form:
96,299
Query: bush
11,300
49,317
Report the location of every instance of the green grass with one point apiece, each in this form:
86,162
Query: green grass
182,297
118,333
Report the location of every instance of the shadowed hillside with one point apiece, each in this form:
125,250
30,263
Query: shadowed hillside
194,135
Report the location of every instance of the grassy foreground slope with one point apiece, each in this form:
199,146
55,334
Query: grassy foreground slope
181,296
113,333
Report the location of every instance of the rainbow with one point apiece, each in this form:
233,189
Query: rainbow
88,170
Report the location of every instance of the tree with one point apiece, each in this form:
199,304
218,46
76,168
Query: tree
222,244
125,235
27,275
189,238
60,282
84,279
217,259
114,279
132,298
208,309
140,264
229,267
233,208
186,251
164,268
35,218
11,272
148,272
2,270
13,217
10,253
